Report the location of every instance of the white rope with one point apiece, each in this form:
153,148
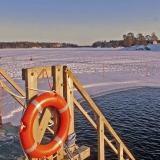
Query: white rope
13,94
40,90
26,87
70,142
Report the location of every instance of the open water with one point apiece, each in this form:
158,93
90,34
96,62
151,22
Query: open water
134,114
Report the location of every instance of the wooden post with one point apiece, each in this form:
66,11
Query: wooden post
120,152
58,87
40,125
1,103
0,113
100,132
31,82
68,95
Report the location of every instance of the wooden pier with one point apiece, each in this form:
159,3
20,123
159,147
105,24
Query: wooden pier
64,82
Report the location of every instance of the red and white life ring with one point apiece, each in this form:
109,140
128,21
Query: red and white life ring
31,147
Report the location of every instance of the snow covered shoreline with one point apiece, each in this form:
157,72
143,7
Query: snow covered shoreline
122,70
151,47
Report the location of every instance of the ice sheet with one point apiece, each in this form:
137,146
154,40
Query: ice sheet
99,71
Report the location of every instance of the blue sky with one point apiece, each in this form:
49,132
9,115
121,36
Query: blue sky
77,21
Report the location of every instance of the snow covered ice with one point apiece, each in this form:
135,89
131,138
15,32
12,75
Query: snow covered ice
100,71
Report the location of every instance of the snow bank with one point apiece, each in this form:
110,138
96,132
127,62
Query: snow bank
152,47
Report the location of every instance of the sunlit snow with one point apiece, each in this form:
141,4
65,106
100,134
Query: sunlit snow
99,70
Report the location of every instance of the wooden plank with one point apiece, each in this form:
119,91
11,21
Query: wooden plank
94,125
83,150
11,81
97,111
0,114
44,119
68,95
58,87
31,82
58,79
57,72
41,124
120,152
39,72
100,136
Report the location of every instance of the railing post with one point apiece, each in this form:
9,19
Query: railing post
0,114
40,125
58,87
1,104
68,95
31,82
100,132
120,152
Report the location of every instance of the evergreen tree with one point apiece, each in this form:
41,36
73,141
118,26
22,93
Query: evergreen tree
154,37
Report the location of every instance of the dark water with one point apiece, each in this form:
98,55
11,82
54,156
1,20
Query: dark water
134,114
10,148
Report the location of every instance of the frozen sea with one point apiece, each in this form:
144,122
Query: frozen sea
100,71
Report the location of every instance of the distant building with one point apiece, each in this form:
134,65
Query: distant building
58,45
152,42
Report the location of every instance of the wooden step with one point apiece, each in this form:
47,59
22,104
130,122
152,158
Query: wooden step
83,150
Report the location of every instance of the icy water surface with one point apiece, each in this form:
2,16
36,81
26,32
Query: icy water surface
10,148
134,114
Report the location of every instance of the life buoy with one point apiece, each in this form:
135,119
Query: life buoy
31,147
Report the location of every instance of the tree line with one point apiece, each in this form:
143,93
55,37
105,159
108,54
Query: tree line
128,40
26,44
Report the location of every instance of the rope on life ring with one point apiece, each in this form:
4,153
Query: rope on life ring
31,147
